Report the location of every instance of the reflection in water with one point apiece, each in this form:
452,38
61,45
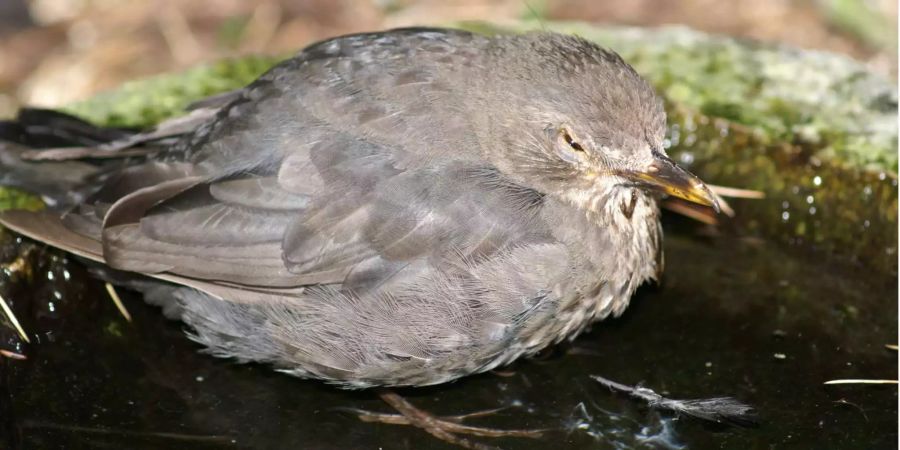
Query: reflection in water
623,432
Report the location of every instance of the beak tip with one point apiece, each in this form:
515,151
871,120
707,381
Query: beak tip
712,198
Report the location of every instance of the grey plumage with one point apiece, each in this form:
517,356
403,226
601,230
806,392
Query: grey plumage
396,208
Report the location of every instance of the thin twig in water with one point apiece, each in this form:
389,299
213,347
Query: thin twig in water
12,355
399,419
861,381
864,380
446,429
13,320
724,410
118,301
122,432
853,405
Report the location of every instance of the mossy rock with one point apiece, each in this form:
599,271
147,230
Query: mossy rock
816,132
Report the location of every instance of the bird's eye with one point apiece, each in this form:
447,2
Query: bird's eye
571,141
567,146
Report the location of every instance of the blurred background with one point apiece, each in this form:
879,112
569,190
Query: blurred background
53,52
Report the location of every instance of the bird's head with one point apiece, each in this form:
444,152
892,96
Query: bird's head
581,124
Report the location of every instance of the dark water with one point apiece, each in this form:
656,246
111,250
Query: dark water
734,316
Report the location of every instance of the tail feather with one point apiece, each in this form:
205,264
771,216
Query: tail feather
60,184
44,128
61,157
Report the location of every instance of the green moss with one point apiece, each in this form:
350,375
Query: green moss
811,202
146,102
16,199
790,95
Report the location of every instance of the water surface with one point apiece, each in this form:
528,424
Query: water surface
734,316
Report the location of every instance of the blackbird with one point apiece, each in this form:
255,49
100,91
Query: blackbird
400,208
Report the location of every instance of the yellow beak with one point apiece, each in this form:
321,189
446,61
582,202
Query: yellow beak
665,176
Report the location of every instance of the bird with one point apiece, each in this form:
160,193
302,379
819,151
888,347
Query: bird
386,209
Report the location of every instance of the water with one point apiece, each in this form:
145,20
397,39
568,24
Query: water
734,316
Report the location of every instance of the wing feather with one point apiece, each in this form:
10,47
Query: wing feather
322,175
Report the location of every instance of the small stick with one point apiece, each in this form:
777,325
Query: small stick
891,347
12,318
428,423
399,419
12,355
731,192
118,301
862,381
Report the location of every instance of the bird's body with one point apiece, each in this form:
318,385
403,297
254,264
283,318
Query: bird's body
397,208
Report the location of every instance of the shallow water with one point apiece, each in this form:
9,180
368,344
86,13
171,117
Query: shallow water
733,317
